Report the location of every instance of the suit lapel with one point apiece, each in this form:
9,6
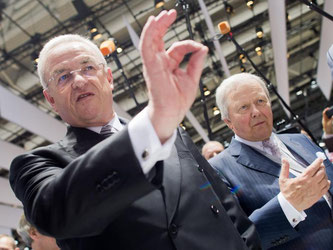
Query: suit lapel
80,140
250,158
297,148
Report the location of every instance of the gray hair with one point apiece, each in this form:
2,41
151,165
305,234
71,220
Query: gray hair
231,83
56,41
24,228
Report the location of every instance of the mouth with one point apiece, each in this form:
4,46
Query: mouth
83,96
258,124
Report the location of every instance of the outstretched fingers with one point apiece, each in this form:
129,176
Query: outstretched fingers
152,34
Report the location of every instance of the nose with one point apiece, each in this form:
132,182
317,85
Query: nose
78,80
255,111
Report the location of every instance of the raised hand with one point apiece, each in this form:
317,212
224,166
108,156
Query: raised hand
305,190
171,89
327,123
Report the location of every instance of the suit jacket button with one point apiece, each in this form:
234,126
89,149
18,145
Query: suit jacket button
214,209
173,230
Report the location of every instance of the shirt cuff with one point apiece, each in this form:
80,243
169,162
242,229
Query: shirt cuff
146,144
293,216
327,136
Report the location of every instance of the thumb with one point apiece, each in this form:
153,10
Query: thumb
284,174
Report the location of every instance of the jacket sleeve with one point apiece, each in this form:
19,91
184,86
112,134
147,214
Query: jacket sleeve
272,225
66,197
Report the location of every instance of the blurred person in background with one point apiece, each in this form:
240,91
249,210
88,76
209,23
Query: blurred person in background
211,148
33,238
7,242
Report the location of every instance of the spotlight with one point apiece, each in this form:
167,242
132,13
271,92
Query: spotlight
259,32
34,57
299,92
119,50
92,27
228,8
216,111
242,58
159,3
206,91
96,35
250,4
258,50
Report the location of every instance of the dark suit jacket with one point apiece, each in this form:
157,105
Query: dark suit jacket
254,179
91,193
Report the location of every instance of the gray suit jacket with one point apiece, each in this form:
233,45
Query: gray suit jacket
91,193
254,179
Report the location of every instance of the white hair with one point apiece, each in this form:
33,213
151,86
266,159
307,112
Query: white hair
232,82
56,41
23,229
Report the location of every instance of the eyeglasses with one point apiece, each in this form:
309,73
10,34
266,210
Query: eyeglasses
64,78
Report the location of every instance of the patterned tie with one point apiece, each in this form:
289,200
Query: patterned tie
106,131
272,147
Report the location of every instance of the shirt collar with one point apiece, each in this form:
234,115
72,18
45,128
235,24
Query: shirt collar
256,144
114,123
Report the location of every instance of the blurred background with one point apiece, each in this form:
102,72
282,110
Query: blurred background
285,39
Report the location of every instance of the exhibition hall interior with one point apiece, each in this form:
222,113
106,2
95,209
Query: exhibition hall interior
288,45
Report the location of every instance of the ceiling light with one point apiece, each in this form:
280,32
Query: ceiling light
206,91
216,111
259,32
242,58
119,50
34,57
228,8
92,27
159,3
96,35
249,3
299,92
258,50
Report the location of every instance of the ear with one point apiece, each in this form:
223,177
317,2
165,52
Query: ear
110,77
229,123
33,233
50,99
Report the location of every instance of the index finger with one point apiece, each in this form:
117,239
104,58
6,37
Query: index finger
155,28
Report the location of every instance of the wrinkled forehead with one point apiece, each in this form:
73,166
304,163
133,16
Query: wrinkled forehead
244,88
68,55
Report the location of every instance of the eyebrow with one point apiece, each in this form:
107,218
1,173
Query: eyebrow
84,61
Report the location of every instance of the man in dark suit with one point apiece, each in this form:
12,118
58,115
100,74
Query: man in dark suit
289,201
146,186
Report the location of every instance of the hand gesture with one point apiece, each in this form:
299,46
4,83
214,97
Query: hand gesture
171,89
327,122
305,190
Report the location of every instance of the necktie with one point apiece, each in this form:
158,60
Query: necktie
267,144
106,131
